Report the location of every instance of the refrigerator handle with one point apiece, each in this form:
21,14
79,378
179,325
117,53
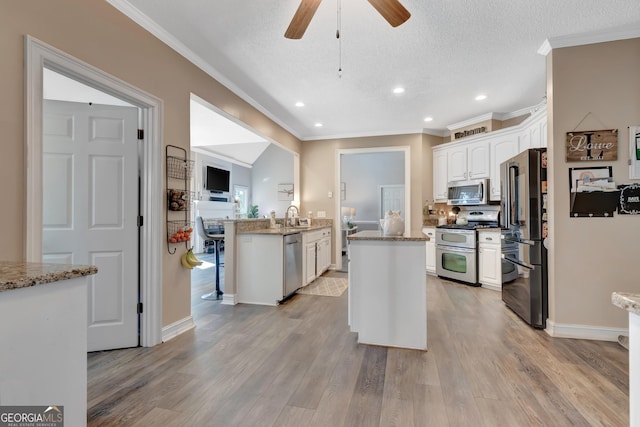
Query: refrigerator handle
518,262
521,241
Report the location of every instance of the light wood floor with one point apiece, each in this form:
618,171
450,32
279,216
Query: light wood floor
298,365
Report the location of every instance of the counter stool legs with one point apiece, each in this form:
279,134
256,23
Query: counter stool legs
217,294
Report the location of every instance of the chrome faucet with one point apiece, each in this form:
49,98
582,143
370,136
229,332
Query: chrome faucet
293,218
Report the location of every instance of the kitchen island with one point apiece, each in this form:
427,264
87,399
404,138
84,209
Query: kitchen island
388,289
43,329
631,303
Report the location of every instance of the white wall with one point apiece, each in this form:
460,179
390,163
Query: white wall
363,174
275,166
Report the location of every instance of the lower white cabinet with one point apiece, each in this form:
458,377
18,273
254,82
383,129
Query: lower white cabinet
260,277
317,253
310,262
430,232
489,259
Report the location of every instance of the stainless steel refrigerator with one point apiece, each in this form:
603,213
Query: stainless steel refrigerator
523,181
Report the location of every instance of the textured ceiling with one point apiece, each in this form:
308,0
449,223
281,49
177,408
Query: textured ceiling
444,55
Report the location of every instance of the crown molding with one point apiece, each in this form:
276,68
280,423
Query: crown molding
601,36
150,25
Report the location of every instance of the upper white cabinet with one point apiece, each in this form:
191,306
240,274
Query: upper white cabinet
480,156
534,132
468,161
501,149
440,175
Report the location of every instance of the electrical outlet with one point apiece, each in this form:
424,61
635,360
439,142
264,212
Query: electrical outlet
322,214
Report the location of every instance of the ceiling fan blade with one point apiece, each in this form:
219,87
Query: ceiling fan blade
302,18
392,11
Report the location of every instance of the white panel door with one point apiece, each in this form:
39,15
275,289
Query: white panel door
90,209
392,199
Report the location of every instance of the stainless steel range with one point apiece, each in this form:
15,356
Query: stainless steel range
456,244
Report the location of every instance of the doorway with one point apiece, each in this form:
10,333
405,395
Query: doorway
39,56
361,174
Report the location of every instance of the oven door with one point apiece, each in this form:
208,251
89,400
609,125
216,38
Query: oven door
456,263
456,237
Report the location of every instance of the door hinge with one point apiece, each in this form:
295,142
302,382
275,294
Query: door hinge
140,221
139,308
140,133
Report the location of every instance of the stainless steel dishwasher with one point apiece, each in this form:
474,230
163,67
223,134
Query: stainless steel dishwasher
292,263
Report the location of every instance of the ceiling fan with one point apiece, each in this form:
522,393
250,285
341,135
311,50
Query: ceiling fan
391,10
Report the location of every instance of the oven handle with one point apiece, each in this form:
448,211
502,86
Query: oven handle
454,249
518,262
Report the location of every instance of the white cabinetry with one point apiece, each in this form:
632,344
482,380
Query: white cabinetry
309,262
468,161
534,131
480,156
430,232
489,259
440,175
317,253
501,149
260,277
324,252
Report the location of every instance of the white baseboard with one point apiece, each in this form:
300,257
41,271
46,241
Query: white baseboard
229,299
492,287
585,332
177,328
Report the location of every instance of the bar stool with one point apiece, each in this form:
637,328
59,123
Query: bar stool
217,239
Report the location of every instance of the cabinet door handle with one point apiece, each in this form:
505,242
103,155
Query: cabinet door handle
488,238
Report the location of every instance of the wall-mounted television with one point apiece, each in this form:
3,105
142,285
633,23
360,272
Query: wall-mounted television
217,180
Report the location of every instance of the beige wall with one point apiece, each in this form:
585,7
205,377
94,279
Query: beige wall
95,32
591,257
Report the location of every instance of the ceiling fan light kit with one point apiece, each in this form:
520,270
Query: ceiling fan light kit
391,10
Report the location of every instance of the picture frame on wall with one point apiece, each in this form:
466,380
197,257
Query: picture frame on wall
285,192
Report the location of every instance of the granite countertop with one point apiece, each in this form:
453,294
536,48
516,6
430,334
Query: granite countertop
283,230
377,235
627,301
15,275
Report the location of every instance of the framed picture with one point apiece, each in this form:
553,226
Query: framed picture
285,191
588,173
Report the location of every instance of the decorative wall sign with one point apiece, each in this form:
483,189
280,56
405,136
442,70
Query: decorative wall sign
285,191
469,132
592,145
629,199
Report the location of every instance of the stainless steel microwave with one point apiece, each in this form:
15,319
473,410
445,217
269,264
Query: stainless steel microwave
467,193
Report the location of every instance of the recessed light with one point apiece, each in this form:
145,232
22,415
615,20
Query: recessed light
428,119
318,125
481,97
299,104
398,90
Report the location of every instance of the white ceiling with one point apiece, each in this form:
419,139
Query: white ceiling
448,52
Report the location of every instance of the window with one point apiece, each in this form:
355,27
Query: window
241,195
